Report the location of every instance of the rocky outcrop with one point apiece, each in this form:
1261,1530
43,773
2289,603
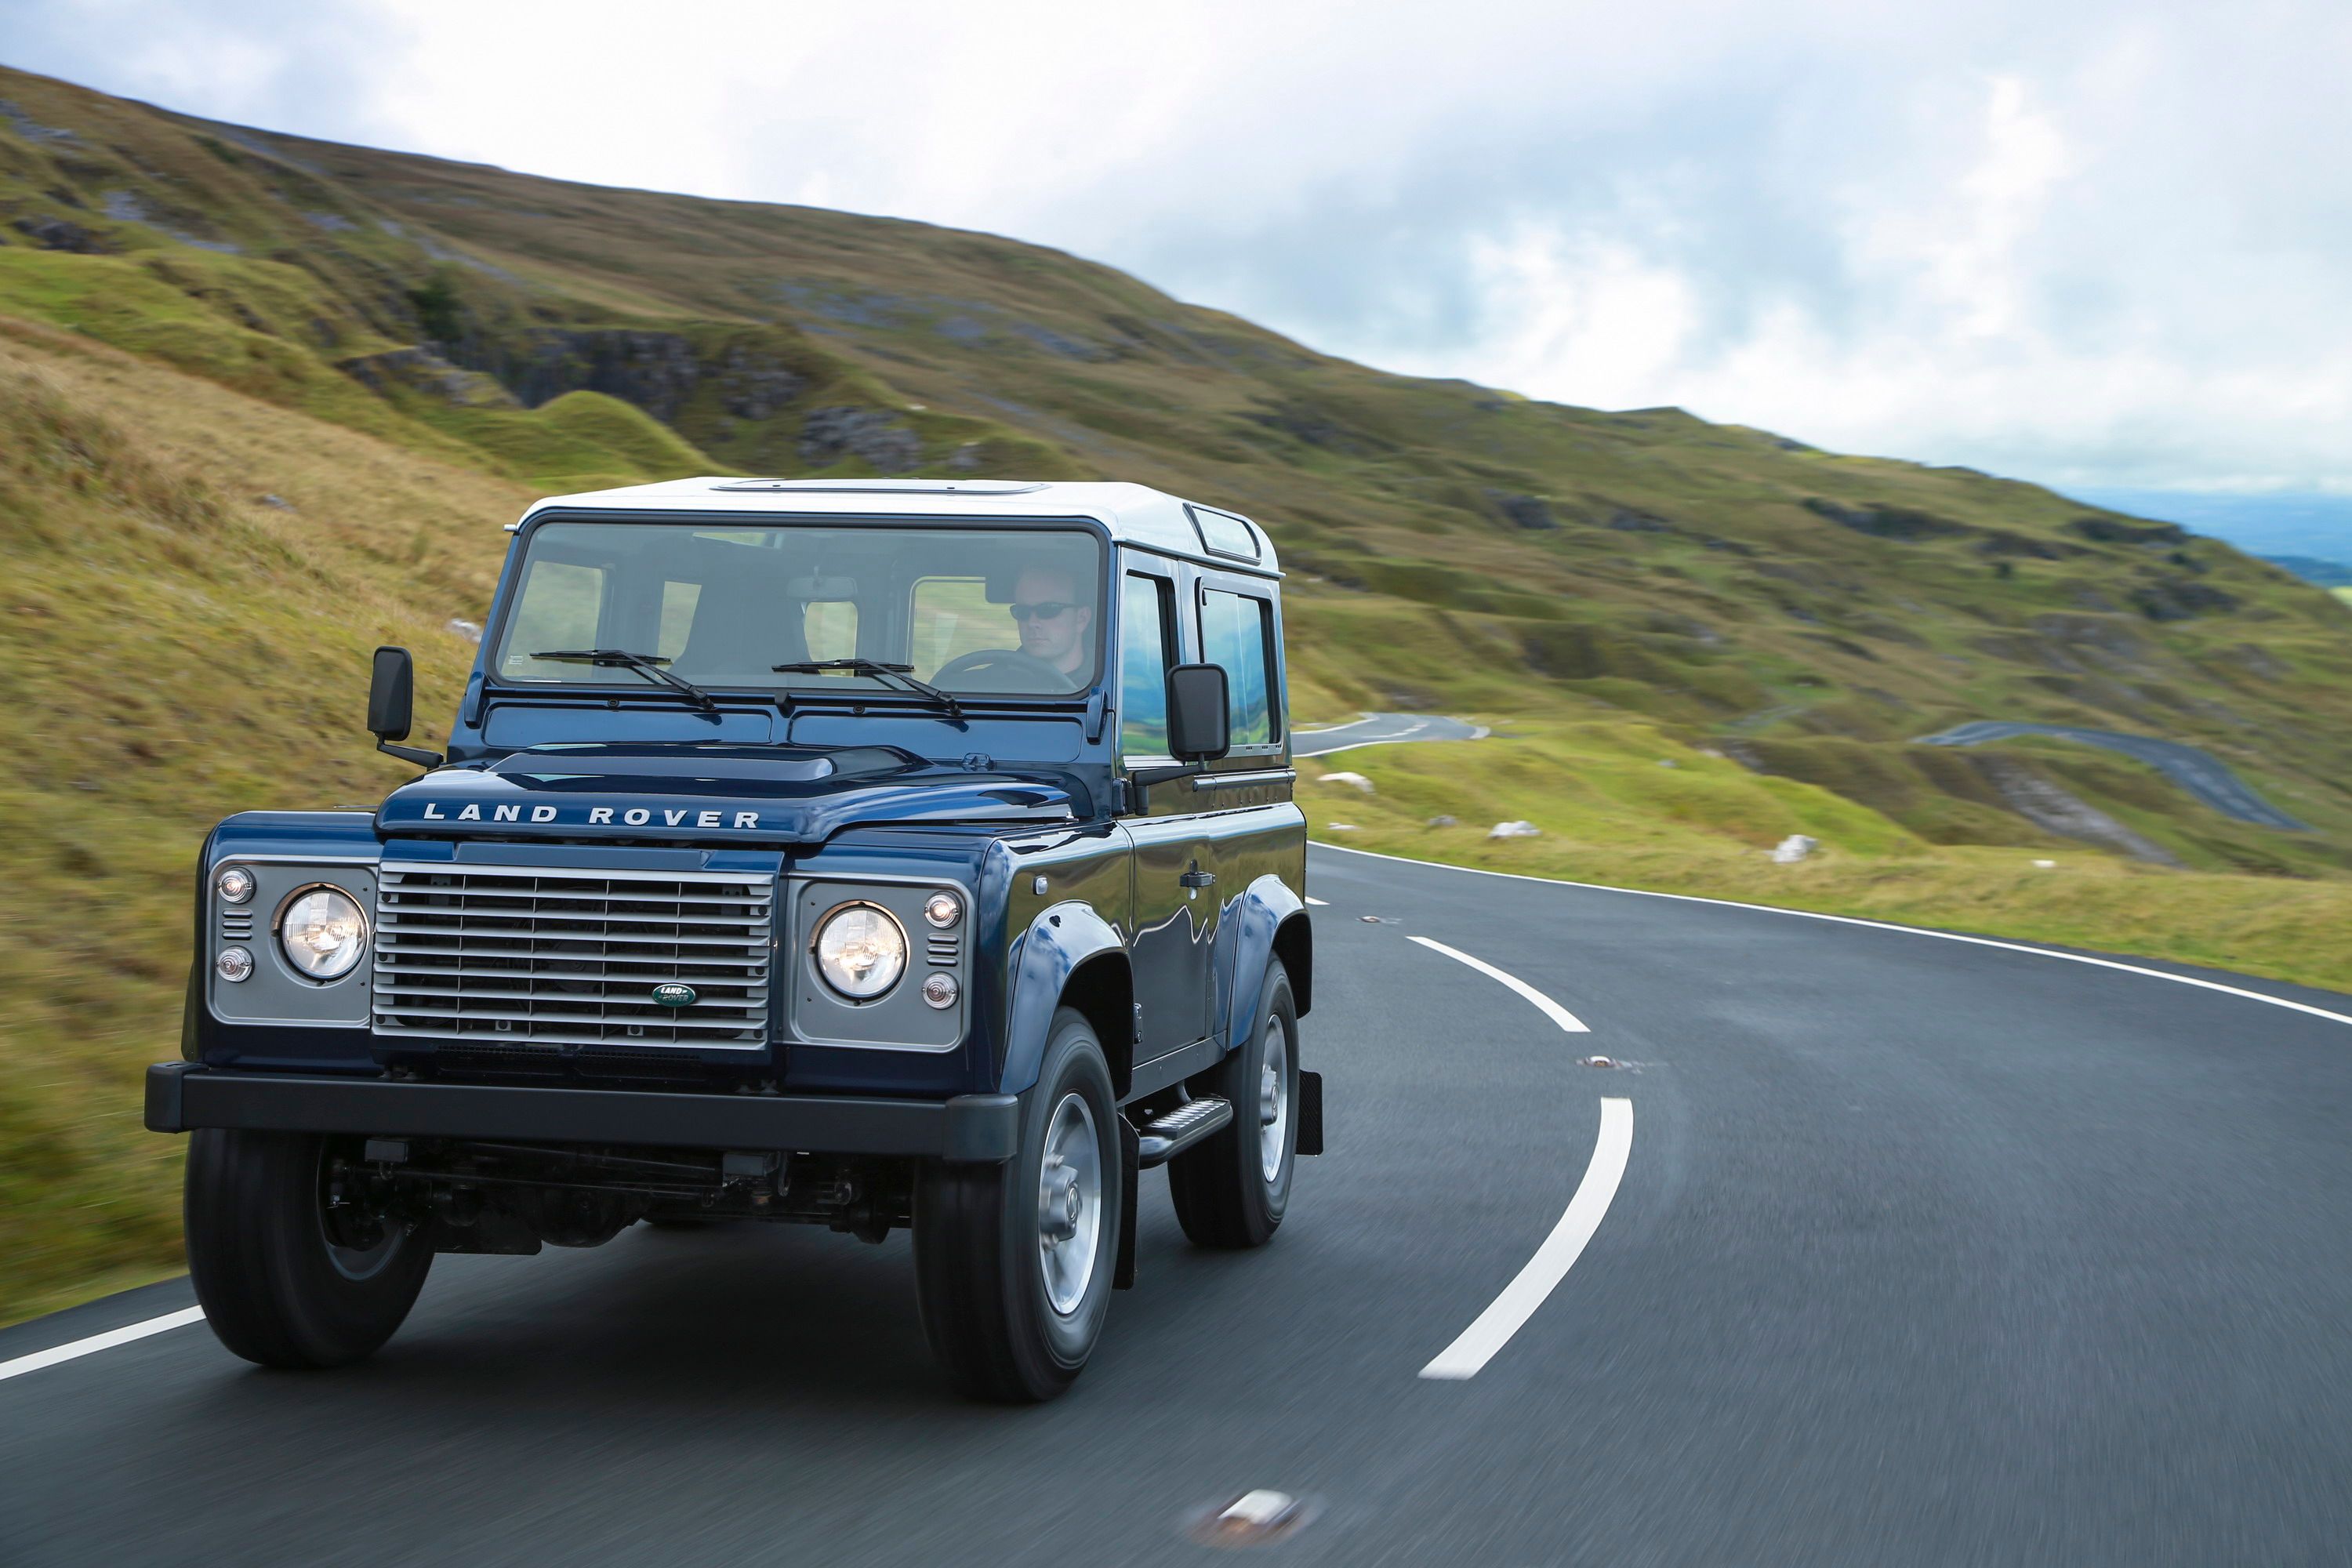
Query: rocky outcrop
1900,522
2054,810
2180,599
829,435
423,369
61,234
1525,511
659,372
2118,531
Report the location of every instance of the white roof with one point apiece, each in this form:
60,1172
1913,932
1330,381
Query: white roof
1134,514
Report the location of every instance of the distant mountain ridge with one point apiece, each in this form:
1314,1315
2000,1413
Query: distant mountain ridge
2326,574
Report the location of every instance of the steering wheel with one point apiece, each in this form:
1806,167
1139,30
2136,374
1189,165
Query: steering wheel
1015,670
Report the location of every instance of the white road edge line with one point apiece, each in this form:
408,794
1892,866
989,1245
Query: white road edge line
1858,920
96,1342
1549,1008
1478,1343
1318,903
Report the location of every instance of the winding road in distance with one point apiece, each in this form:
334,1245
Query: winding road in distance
1871,1246
2194,769
1381,729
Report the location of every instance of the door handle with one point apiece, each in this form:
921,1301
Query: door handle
1197,879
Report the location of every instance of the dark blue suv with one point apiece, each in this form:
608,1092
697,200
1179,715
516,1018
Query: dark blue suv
861,853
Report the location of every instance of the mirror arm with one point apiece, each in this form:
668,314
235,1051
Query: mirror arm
417,754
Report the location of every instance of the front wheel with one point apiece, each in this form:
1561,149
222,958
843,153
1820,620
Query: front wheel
286,1274
1013,1262
1231,1189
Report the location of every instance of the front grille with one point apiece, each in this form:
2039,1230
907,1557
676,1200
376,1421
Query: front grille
505,956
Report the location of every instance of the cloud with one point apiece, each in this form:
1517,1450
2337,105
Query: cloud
2103,243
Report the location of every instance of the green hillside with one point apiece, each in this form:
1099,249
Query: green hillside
265,402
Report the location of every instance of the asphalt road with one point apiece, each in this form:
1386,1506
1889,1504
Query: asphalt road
1381,729
1923,1252
2193,768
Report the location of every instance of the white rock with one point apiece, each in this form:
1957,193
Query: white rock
1339,827
2045,865
1793,848
1514,830
465,628
1441,822
1354,780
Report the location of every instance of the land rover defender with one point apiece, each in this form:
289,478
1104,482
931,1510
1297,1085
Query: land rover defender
868,854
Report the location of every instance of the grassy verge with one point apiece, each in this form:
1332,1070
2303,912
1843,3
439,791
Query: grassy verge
1624,804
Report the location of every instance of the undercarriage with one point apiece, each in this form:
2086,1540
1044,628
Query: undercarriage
469,1195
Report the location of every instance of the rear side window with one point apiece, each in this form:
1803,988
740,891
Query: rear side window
1143,663
1237,631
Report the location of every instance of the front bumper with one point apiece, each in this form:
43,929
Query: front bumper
974,1127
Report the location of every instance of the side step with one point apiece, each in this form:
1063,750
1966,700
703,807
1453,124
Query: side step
1167,1135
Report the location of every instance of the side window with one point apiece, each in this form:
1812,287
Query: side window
1237,631
1143,662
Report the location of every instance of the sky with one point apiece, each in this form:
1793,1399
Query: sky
2088,243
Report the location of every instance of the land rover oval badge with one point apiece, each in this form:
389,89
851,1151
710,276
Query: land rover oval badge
674,995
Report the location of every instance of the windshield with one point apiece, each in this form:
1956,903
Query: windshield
984,611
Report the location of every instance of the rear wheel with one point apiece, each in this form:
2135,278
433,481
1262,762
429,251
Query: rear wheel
1013,1262
1232,1188
287,1275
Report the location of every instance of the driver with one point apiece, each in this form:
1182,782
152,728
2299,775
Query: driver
1052,619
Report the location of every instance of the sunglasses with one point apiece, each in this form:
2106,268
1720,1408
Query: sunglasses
1043,610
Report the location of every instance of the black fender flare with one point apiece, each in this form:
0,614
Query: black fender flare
1058,942
1269,917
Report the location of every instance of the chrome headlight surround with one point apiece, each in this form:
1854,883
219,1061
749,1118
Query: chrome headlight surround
860,950
319,941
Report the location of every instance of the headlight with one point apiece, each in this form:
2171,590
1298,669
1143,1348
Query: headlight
860,951
322,931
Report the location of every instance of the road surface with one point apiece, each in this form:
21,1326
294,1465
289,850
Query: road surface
1381,729
1876,1248
2198,770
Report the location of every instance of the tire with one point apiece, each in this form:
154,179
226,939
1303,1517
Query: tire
1225,1196
1012,1321
274,1288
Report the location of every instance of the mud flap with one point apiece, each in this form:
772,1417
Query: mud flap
1310,1112
1130,1177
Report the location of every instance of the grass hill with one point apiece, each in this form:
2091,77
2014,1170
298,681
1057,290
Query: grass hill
265,401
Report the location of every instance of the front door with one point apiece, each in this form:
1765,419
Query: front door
1175,937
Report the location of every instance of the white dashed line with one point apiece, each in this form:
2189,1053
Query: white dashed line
1517,1303
1551,1009
96,1342
1318,903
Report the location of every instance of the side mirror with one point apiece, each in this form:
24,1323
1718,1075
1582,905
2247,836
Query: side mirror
392,703
391,694
1200,726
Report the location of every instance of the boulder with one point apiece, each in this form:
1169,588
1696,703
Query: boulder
1353,780
1793,848
1514,830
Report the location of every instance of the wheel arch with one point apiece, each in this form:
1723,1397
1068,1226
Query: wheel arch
1069,954
1270,923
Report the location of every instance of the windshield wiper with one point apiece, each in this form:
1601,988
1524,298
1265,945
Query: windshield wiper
900,673
646,665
